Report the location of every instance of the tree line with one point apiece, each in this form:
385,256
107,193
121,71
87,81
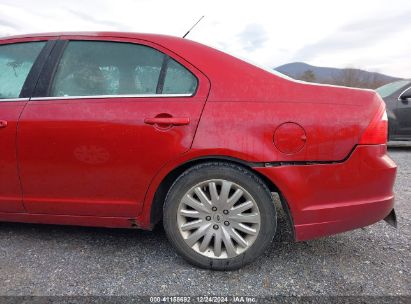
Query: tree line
348,77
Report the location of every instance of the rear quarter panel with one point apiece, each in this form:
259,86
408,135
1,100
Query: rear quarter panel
246,129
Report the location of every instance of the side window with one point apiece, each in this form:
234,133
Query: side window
16,61
92,68
179,80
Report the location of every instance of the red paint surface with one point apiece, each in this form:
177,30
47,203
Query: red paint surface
100,161
10,190
97,157
331,198
289,138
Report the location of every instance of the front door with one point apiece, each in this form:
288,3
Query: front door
113,115
16,61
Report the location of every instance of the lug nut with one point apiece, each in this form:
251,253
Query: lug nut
214,208
225,211
208,218
226,223
215,227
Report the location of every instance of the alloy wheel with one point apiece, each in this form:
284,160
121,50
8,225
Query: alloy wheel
218,219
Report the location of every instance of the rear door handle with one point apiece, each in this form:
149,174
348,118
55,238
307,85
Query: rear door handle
174,121
3,123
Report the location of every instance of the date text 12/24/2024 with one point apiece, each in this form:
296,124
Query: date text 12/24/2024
203,299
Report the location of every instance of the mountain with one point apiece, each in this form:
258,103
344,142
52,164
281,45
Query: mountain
298,70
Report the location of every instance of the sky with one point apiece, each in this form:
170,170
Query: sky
370,34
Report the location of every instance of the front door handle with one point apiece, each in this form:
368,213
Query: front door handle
173,121
3,123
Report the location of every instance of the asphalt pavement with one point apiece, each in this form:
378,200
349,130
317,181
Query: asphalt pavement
63,260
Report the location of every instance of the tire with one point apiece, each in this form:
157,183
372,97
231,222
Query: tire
227,224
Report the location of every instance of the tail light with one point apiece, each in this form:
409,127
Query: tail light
377,131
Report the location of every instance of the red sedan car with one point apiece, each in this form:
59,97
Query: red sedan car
125,130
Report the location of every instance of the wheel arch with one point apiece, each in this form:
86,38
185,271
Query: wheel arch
156,208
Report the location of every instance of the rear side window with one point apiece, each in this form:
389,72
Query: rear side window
97,68
178,79
16,61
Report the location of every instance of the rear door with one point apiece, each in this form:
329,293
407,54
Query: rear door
106,116
18,72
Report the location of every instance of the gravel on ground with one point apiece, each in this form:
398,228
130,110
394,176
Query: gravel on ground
63,260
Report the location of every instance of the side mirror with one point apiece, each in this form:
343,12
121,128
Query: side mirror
405,95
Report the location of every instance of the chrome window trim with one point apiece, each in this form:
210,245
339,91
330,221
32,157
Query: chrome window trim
399,97
13,99
112,96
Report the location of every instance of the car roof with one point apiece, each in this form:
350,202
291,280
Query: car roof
132,35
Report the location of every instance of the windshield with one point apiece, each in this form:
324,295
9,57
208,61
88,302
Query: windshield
390,88
258,65
265,68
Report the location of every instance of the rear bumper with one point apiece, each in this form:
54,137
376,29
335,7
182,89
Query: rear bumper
330,198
